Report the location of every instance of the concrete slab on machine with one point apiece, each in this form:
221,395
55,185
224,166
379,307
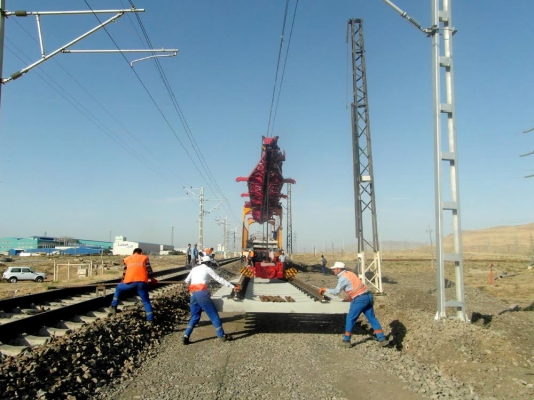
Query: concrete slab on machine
303,303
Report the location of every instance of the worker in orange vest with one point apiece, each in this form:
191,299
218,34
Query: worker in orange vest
136,275
361,302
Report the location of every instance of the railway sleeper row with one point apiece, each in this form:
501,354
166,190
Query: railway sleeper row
46,325
41,335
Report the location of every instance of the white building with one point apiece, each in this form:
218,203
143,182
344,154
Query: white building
123,247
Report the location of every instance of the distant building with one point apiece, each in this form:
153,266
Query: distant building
33,244
124,247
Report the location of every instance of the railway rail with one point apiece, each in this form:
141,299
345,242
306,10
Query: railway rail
32,319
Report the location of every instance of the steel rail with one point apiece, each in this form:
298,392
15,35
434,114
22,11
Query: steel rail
311,290
34,322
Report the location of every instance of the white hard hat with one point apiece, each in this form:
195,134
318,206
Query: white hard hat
206,259
338,264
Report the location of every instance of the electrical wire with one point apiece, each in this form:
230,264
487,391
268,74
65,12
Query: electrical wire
285,63
211,181
277,68
81,109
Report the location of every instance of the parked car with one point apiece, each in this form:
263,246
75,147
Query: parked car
14,274
6,259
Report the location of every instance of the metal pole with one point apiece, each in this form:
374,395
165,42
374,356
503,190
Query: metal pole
2,19
201,220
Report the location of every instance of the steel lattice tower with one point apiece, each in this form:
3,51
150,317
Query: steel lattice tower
289,246
364,192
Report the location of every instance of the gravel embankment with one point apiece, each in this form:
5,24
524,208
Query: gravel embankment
278,356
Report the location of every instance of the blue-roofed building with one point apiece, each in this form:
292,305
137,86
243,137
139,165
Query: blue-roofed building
14,245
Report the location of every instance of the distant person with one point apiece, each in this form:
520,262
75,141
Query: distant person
250,257
137,273
323,264
188,252
361,302
201,298
195,254
282,258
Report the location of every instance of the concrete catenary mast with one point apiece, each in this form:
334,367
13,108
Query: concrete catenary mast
369,270
445,154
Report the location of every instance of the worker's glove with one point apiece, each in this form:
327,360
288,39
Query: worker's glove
322,291
153,281
237,288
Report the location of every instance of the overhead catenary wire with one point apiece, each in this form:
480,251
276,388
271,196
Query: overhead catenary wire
285,64
277,68
211,181
83,110
206,176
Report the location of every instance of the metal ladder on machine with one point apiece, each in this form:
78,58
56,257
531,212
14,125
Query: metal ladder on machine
364,194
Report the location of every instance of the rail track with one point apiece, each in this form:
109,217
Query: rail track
31,320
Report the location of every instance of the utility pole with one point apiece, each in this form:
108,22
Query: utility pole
224,221
201,219
2,30
289,237
201,213
369,271
444,115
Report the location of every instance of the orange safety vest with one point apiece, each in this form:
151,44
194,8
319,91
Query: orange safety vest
136,268
358,287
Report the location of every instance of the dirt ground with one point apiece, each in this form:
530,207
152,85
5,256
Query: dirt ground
103,268
492,353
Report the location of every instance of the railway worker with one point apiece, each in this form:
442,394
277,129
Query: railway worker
362,302
215,264
195,254
250,257
323,264
188,252
136,275
282,258
201,300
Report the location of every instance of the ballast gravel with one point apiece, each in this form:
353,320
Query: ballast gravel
278,356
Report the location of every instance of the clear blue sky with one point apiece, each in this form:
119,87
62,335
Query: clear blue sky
85,151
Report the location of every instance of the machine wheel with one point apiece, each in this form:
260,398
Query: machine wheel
12,280
39,279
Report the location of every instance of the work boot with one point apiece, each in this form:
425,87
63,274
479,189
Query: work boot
225,338
383,343
186,340
113,310
346,343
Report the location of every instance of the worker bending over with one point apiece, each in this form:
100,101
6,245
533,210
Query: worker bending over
201,298
361,302
136,275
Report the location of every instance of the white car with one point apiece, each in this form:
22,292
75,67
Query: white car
14,274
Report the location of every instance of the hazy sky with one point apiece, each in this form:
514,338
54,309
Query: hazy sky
93,148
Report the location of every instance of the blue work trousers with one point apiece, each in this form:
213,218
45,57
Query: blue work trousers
142,291
201,301
363,304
